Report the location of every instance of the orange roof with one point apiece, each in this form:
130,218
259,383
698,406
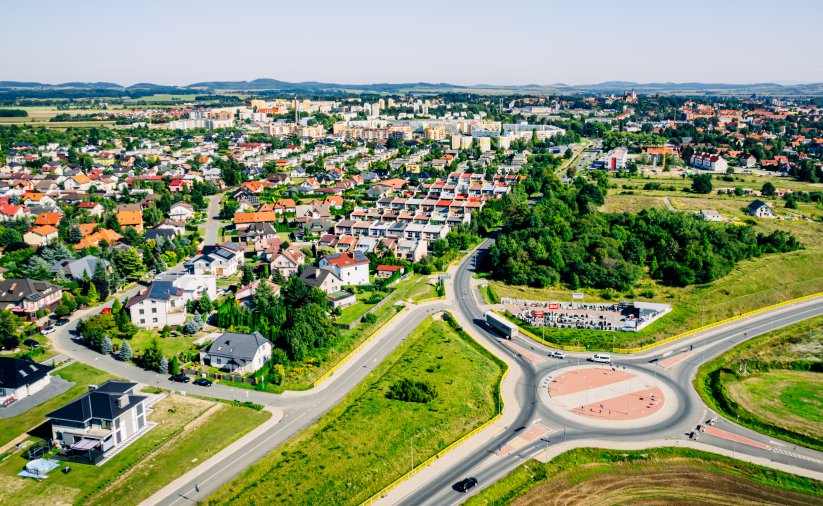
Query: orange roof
129,218
104,234
48,219
285,203
33,196
86,228
334,199
44,230
266,216
81,179
395,183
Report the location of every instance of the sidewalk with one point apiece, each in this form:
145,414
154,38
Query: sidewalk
511,409
216,459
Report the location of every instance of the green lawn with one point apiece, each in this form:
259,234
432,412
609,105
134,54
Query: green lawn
362,305
174,446
776,393
363,444
414,288
171,346
80,374
654,476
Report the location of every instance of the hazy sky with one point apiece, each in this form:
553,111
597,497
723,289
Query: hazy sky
455,41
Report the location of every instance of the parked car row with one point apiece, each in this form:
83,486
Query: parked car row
182,378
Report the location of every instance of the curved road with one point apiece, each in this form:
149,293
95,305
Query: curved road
483,464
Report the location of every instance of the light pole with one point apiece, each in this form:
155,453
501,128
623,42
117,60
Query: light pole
411,446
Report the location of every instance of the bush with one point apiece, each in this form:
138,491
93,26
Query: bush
369,318
407,390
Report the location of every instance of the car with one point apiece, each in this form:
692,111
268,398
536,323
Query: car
202,382
106,310
61,322
31,343
465,485
557,354
601,358
47,330
179,378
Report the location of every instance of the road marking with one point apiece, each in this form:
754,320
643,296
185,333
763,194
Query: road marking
776,443
797,456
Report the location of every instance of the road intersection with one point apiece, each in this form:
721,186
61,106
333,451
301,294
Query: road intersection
481,456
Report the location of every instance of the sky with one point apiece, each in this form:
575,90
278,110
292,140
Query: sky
504,42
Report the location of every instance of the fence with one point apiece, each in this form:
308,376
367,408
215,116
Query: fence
359,347
233,378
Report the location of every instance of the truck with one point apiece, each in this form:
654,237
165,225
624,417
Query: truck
501,325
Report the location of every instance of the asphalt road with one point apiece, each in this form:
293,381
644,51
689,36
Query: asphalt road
213,225
691,411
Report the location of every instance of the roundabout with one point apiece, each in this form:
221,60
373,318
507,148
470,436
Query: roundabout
607,397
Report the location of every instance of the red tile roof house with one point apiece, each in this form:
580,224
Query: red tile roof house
351,267
387,271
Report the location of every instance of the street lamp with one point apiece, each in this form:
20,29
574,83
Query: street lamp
411,445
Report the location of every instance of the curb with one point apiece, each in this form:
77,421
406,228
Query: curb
359,347
447,449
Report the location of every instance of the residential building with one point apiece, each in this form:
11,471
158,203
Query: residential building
352,267
322,279
164,301
101,420
760,209
181,211
222,260
288,261
20,378
40,236
711,215
26,297
131,219
80,268
708,161
238,353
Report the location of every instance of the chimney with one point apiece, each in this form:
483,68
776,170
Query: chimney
92,388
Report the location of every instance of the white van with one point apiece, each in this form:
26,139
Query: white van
602,359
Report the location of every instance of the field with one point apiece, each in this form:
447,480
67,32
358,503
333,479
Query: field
80,374
190,431
364,443
655,476
750,285
171,346
362,305
773,383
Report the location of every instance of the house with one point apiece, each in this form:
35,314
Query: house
747,161
78,182
80,268
238,353
288,260
101,420
164,301
322,279
387,271
20,378
708,161
760,209
243,221
711,215
9,212
28,297
48,218
132,219
94,208
351,267
246,293
222,260
181,211
256,231
95,238
40,236
411,250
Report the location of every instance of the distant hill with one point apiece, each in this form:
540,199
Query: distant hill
261,85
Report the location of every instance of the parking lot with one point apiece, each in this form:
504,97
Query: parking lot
623,315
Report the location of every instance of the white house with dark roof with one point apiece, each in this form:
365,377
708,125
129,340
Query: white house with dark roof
222,260
238,353
101,420
352,267
181,211
20,378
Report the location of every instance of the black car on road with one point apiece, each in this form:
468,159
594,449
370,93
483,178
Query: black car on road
180,378
31,343
202,382
465,485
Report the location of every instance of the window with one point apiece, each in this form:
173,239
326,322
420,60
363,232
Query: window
142,320
142,311
154,310
154,320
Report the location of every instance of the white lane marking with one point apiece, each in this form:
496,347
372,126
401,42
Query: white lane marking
797,456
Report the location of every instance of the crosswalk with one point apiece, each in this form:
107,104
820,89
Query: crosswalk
797,455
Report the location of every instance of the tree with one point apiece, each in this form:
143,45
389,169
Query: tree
8,329
92,295
74,235
101,280
152,356
125,352
106,346
205,305
248,275
130,265
702,183
768,189
175,365
96,328
163,366
37,268
194,325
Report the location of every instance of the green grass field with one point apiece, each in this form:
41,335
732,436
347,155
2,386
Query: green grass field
358,309
654,476
190,431
80,374
363,444
775,392
170,345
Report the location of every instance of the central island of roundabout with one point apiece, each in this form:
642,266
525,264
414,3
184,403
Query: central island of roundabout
607,396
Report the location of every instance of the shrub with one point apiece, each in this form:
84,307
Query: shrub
369,318
407,390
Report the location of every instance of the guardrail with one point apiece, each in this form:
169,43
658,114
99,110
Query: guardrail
444,451
359,347
688,333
